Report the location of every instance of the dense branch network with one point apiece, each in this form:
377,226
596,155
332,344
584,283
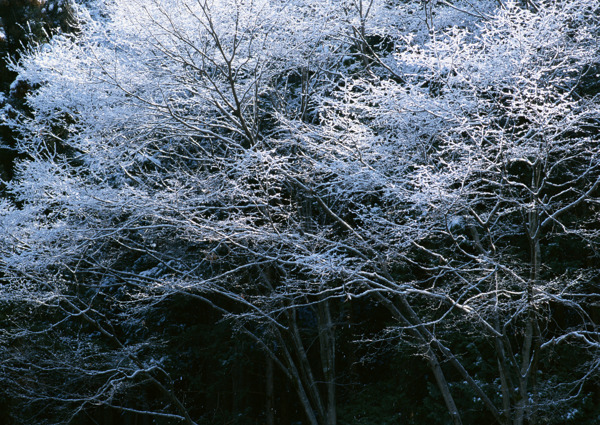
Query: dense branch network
279,161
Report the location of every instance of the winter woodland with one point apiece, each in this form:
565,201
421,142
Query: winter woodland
331,188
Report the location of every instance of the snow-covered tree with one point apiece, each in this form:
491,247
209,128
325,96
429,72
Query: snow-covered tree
277,160
156,166
474,182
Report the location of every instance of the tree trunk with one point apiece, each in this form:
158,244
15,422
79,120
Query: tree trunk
306,373
443,386
419,331
327,346
529,352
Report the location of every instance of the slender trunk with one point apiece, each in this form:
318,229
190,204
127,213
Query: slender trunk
535,332
529,352
443,386
310,382
297,366
420,333
506,381
299,385
524,374
327,346
454,361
